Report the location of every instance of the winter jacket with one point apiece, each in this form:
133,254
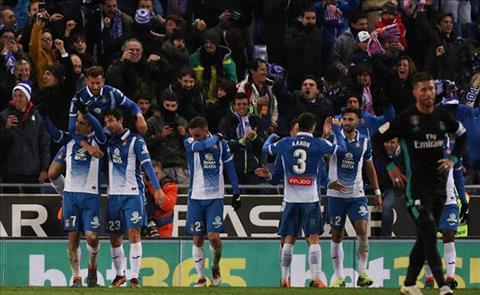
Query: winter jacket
40,58
344,47
246,156
191,103
163,216
26,147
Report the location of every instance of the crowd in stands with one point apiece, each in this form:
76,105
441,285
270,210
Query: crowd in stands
249,67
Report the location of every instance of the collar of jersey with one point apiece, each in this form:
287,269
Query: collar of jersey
304,134
357,138
91,95
125,135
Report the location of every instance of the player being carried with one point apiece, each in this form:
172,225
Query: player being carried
207,155
346,166
299,161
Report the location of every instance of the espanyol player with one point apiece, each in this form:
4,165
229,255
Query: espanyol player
127,154
207,155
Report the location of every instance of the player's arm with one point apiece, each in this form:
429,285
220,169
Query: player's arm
268,142
227,160
100,135
456,128
57,135
143,156
72,119
127,103
372,176
198,146
276,176
460,181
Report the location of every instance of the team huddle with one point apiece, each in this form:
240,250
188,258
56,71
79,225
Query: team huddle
98,144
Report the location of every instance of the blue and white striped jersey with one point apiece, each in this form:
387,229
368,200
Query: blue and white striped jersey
126,155
346,167
206,168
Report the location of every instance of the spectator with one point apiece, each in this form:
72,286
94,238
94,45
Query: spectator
330,88
191,101
24,142
144,102
292,103
8,19
79,47
142,28
390,16
258,88
212,63
373,98
447,58
78,70
245,136
175,53
222,106
303,49
344,45
359,54
165,135
161,216
473,48
461,12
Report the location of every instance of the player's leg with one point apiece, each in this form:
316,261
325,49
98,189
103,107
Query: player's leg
448,224
135,219
135,255
288,228
115,227
214,220
93,248
195,227
358,214
71,219
74,256
56,178
91,225
312,225
337,215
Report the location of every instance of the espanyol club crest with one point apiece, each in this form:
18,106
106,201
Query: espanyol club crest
414,120
104,99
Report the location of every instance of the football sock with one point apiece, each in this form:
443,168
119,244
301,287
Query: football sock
315,259
287,252
362,253
428,271
198,255
118,258
450,254
92,254
135,259
336,251
74,258
216,255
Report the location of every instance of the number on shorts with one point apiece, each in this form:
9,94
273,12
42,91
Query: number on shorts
338,220
197,226
73,219
301,156
114,225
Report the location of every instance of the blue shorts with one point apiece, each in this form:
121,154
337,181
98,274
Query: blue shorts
449,218
204,216
339,208
125,212
81,212
296,216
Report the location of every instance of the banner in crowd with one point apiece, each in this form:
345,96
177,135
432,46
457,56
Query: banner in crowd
245,263
257,218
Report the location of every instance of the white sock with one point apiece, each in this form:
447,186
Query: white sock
428,271
118,258
198,255
315,259
362,253
450,255
135,259
74,259
336,251
58,184
92,254
216,255
287,252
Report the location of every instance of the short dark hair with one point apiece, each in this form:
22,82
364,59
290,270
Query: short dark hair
306,121
420,77
178,20
332,74
116,113
186,71
241,95
95,71
357,15
198,122
255,63
351,110
311,77
168,95
309,9
444,15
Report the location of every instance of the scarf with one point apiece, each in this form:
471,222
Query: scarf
10,62
209,60
367,99
243,125
332,15
117,25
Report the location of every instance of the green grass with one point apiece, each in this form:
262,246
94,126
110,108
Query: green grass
226,290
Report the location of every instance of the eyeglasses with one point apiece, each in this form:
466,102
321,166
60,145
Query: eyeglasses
46,39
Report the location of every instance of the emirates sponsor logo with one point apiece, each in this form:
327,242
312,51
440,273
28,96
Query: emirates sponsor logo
302,181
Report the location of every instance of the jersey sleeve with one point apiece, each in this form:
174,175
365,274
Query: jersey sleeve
326,147
453,126
141,151
122,100
61,155
226,154
368,153
274,149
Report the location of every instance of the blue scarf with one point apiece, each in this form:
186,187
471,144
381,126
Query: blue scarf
117,25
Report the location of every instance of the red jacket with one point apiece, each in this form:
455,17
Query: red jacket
164,214
380,23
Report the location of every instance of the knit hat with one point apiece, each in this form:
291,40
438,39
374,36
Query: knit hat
57,70
213,36
142,16
25,88
363,36
390,8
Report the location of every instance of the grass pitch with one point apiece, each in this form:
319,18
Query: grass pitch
226,290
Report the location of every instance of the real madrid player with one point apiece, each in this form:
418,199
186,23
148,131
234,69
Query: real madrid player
346,166
81,196
127,154
422,130
207,155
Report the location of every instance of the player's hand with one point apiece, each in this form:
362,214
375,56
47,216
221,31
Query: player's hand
327,127
336,185
464,211
159,197
94,151
80,106
42,176
397,177
336,122
141,124
262,172
444,165
236,202
378,202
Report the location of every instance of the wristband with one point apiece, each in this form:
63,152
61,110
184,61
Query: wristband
377,192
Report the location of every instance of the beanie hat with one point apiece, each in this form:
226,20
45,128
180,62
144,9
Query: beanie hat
142,16
213,36
390,8
25,88
57,70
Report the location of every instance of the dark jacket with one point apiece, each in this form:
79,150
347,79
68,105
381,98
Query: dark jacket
191,103
246,156
303,49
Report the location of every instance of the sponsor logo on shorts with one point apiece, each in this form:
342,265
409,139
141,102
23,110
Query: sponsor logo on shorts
301,181
217,222
363,210
452,219
95,222
136,217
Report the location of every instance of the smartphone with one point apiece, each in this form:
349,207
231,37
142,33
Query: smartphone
41,6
